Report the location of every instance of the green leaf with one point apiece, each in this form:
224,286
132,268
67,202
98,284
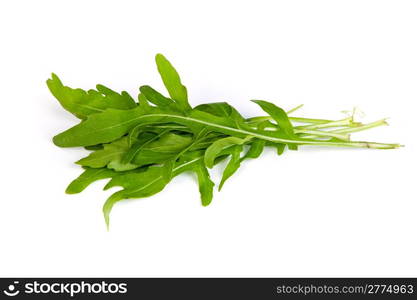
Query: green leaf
194,162
221,109
135,148
155,97
134,133
144,183
213,151
280,148
82,103
87,177
169,165
123,97
148,156
172,82
135,185
205,184
143,101
257,146
161,150
255,150
111,156
279,115
169,142
99,128
119,166
233,165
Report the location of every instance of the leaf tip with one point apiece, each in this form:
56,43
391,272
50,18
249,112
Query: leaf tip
70,191
108,185
106,215
79,162
206,203
54,80
159,56
57,140
208,161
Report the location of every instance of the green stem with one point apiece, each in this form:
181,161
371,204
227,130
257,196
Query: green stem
311,133
343,122
318,133
294,109
231,130
255,120
361,127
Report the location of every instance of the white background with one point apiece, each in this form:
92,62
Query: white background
312,212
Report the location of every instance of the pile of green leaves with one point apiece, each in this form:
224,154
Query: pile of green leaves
141,145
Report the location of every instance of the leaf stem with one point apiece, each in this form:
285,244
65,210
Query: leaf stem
295,119
361,127
295,108
318,133
338,123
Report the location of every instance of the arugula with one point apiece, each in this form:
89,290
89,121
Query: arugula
110,156
84,103
140,146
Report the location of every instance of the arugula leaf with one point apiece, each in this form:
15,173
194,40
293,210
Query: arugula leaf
140,184
111,156
135,185
279,115
160,151
255,150
169,164
143,102
221,109
172,82
155,97
213,151
233,164
194,162
169,142
123,98
280,147
134,133
135,148
87,177
82,103
204,182
99,128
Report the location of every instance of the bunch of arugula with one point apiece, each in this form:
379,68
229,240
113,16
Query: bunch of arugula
140,146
